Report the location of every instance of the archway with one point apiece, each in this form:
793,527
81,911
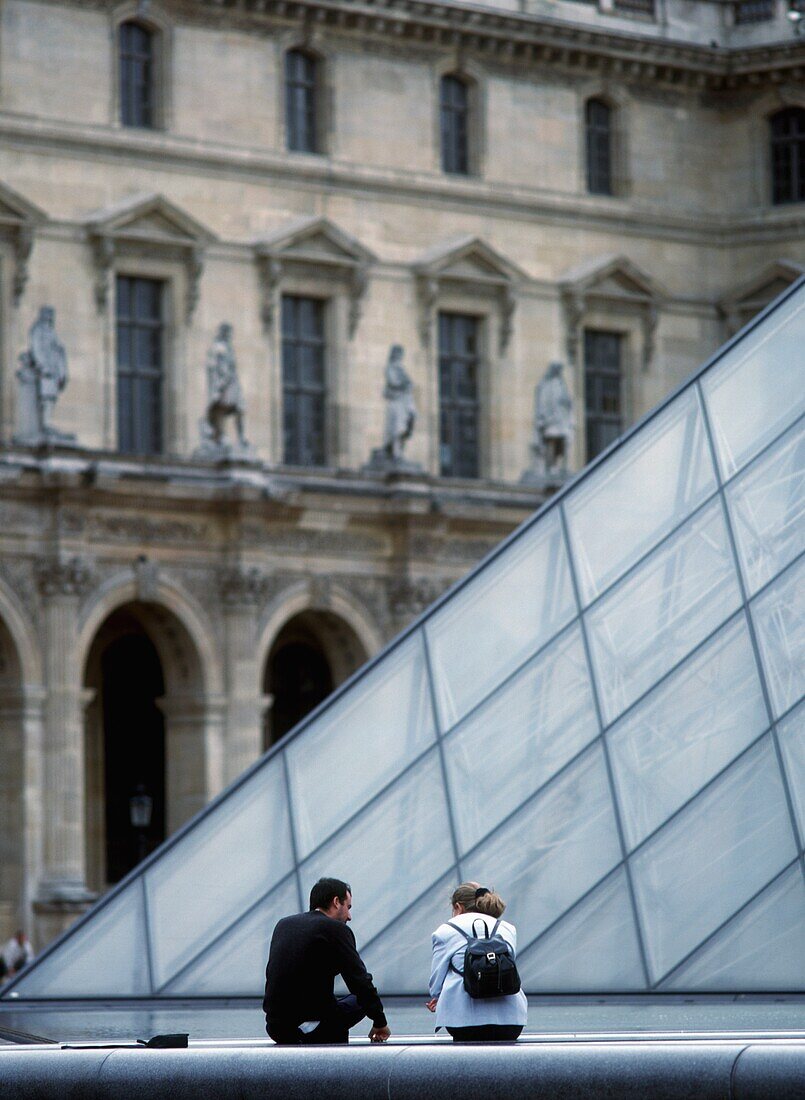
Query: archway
12,786
145,737
311,655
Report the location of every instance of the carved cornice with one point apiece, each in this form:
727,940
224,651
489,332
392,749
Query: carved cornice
62,576
516,37
241,587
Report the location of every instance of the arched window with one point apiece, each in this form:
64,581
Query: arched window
598,141
455,124
137,75
301,107
788,155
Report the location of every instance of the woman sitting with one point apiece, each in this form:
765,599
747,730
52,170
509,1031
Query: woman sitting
466,1018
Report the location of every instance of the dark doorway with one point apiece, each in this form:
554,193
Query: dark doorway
299,678
134,749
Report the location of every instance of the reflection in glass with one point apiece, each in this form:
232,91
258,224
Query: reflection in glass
500,619
663,610
218,869
593,948
401,843
763,948
235,966
523,735
686,731
108,957
359,744
758,388
767,507
645,489
712,858
779,617
554,849
791,735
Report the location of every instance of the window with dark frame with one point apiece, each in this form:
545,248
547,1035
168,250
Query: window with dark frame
598,134
140,364
603,386
455,125
304,390
753,11
788,155
459,368
301,93
137,98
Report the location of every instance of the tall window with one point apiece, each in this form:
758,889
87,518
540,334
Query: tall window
140,364
788,155
303,381
598,133
455,116
459,365
602,389
137,75
300,101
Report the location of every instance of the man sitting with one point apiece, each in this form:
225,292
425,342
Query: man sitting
307,951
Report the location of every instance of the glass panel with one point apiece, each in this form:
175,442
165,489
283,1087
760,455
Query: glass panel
108,957
791,734
644,490
593,948
400,957
500,619
749,398
236,965
762,949
663,610
686,731
218,869
711,859
554,849
522,736
359,744
779,617
399,844
767,506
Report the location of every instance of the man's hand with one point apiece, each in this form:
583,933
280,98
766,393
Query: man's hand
379,1034
431,1004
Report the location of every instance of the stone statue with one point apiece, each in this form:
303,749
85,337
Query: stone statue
42,376
554,426
398,393
224,399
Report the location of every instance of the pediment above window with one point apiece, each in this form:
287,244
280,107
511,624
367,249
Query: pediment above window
619,286
314,246
475,268
147,226
19,219
749,298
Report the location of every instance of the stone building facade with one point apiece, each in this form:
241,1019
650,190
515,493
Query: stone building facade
624,190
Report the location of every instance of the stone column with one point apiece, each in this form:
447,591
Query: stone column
21,805
241,592
193,754
62,892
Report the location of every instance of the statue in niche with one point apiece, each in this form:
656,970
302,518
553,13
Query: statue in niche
42,377
224,399
554,426
398,393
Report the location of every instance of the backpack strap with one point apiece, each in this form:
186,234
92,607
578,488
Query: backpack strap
486,928
458,928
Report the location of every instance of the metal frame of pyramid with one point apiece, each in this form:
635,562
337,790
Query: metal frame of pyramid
605,720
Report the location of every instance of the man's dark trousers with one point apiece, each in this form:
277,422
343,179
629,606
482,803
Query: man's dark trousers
335,1029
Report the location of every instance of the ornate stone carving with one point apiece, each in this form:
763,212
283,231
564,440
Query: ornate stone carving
241,587
142,529
573,309
398,394
103,255
146,575
19,576
359,280
270,272
23,246
42,377
428,294
61,576
224,400
554,427
410,596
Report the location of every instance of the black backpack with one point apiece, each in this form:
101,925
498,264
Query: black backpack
489,966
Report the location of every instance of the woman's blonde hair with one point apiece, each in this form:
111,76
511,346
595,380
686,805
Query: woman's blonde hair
478,899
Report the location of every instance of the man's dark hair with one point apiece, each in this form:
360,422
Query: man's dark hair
325,890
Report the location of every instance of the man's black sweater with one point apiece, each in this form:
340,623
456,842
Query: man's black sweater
307,951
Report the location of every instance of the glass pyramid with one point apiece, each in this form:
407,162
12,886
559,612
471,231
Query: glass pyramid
604,721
